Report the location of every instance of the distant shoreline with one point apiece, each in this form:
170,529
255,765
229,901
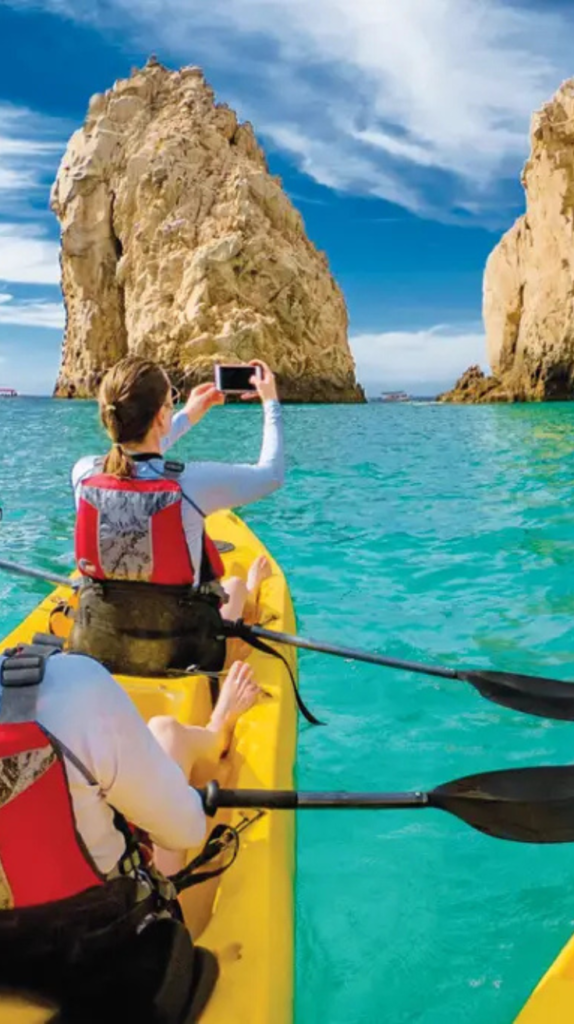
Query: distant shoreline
369,401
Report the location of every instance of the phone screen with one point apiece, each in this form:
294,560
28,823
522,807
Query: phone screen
234,378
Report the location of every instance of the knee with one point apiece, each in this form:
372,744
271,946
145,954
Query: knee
166,730
235,585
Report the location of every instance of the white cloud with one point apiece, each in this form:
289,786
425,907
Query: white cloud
13,181
422,102
31,312
26,255
30,146
430,360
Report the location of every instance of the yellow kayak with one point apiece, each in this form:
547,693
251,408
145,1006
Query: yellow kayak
552,1001
245,916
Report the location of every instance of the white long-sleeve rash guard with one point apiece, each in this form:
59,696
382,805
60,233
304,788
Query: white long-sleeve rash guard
210,485
81,704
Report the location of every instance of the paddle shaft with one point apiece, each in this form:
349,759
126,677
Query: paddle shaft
525,805
532,695
38,574
352,653
290,800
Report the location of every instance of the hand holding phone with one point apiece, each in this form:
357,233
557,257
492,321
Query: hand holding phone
201,399
253,380
265,384
236,380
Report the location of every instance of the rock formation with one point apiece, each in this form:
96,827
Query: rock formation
178,244
529,278
475,386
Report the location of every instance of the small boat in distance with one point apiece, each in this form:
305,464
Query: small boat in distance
392,396
8,393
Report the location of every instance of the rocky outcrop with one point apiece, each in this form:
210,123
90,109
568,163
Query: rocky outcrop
529,279
178,244
476,387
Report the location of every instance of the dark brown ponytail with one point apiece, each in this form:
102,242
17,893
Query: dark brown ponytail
131,395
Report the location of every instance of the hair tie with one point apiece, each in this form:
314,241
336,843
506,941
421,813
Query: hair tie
110,408
117,444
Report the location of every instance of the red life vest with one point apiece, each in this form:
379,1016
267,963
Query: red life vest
59,917
42,858
132,529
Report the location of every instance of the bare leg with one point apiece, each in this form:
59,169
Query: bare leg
242,604
259,570
240,592
186,744
236,590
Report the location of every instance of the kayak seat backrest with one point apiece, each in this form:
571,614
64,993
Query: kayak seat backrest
188,698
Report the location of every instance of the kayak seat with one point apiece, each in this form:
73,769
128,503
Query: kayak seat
158,978
190,699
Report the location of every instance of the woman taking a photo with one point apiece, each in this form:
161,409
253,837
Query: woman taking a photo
136,409
152,597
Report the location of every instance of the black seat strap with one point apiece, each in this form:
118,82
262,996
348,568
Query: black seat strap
240,629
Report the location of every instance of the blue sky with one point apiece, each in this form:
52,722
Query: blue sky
399,128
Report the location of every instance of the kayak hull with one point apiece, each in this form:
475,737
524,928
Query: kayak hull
552,1001
246,916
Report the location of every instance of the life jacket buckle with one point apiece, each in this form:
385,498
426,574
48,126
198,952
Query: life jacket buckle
25,665
23,670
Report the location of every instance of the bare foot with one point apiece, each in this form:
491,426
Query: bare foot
238,693
259,570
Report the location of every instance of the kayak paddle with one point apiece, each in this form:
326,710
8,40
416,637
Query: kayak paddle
39,574
527,805
61,581
533,695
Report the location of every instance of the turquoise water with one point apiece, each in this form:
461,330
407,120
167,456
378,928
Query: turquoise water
433,533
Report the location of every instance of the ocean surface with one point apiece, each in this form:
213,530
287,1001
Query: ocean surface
435,533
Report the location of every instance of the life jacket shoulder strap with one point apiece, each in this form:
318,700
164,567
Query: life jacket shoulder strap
21,673
25,665
173,467
211,567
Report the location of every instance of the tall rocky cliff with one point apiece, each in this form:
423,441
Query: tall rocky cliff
178,244
529,278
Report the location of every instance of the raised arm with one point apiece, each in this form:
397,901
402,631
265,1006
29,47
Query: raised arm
218,485
180,425
201,399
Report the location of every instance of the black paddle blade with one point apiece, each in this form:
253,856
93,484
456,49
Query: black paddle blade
528,805
534,695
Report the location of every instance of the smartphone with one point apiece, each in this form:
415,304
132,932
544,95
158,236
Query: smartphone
234,380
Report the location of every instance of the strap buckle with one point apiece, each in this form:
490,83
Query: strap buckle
25,665
23,670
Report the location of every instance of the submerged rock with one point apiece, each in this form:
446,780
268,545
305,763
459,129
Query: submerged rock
178,244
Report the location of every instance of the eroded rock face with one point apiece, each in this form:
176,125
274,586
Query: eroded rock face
529,277
476,387
178,244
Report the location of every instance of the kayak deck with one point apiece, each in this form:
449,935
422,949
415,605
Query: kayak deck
552,1001
246,916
